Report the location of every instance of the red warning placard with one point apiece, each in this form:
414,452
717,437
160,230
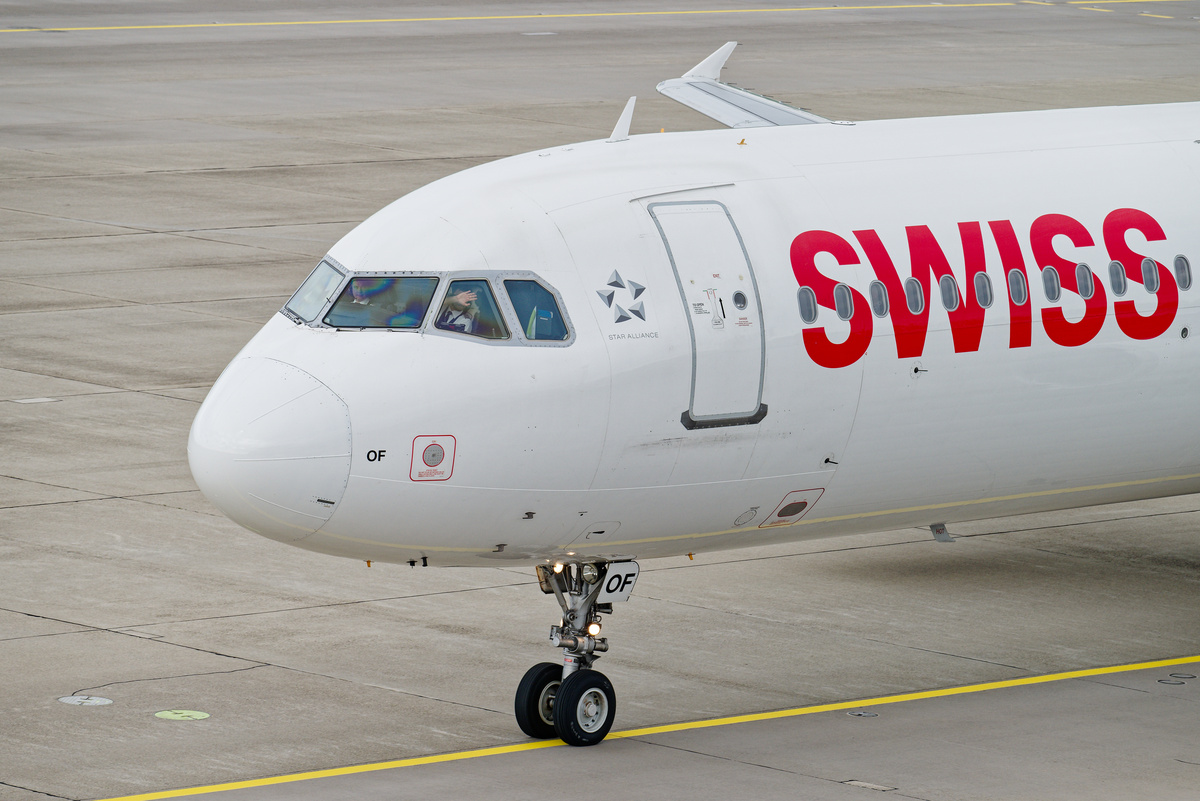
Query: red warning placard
432,458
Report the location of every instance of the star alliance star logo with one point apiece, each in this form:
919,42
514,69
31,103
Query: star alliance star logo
637,308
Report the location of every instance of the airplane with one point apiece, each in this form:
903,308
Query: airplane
667,344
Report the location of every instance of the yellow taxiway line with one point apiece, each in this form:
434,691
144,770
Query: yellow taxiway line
672,727
581,15
497,17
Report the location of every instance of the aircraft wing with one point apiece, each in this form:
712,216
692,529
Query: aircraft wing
701,89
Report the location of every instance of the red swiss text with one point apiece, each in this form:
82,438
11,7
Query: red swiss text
928,263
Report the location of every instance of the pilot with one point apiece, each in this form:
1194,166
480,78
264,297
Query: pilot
356,310
358,294
458,312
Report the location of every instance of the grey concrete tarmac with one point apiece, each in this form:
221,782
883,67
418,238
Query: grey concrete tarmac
164,189
1034,743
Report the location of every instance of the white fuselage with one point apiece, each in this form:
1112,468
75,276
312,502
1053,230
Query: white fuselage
692,408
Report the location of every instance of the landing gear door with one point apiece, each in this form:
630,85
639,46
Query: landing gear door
720,297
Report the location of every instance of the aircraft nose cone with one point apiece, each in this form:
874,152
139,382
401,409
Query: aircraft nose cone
270,447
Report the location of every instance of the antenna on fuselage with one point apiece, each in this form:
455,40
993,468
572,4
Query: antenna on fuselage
621,132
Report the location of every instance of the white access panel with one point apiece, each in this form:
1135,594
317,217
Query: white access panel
720,295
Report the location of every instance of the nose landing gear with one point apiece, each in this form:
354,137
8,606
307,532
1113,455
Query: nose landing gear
572,700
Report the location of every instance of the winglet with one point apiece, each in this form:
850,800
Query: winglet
621,132
701,88
711,67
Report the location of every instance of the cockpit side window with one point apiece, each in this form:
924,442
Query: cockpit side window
315,292
537,311
470,308
377,302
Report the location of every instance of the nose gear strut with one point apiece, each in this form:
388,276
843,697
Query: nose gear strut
573,701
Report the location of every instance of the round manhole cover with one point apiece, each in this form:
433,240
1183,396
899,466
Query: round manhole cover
433,455
181,714
862,713
1170,681
85,700
1183,676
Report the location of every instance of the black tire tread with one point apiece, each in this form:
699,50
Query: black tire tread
565,703
525,704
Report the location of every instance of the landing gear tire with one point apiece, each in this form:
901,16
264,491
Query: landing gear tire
584,708
534,703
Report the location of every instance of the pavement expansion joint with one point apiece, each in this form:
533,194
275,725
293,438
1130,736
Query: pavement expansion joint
1022,670
407,693
1123,518
89,308
39,792
802,554
709,755
127,228
58,486
336,604
1116,686
131,498
125,631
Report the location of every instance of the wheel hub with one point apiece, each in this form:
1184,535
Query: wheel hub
593,709
546,702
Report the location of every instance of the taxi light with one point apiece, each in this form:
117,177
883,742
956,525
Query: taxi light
558,567
590,574
593,629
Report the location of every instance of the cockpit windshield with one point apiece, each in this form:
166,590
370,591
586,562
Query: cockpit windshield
511,308
470,308
376,302
536,310
315,292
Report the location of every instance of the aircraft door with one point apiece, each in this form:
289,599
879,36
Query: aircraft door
720,297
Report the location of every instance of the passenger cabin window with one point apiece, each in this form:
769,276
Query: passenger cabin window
1116,277
843,302
377,302
470,308
1183,272
1018,292
1084,281
983,290
949,289
879,298
914,295
1051,284
807,300
536,310
315,292
1150,275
